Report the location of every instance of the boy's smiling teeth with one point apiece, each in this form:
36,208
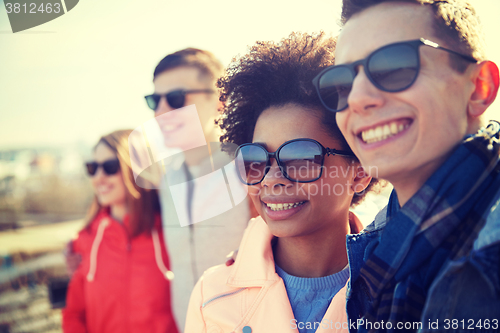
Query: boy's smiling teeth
283,206
383,132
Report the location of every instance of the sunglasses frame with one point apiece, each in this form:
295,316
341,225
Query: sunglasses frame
102,165
183,93
275,155
415,44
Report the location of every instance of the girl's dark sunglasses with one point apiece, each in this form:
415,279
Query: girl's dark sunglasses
176,98
299,160
391,68
110,167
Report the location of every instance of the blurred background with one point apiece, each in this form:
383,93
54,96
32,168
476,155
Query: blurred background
67,82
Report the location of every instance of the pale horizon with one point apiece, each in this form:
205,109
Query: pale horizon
84,74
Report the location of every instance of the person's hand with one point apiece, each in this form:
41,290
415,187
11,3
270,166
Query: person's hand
231,257
72,259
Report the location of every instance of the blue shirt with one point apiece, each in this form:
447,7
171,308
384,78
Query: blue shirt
310,297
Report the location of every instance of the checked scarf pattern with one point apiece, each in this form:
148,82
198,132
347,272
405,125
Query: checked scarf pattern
438,224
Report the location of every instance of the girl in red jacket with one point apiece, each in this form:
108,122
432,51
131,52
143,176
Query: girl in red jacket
122,283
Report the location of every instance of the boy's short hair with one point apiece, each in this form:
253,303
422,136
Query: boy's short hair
208,65
455,22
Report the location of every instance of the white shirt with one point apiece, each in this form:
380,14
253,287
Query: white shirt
202,237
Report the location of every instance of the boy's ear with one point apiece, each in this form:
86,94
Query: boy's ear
361,180
486,81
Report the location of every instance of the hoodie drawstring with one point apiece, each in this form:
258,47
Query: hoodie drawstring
95,248
168,274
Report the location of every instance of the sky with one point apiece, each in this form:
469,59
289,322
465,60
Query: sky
85,73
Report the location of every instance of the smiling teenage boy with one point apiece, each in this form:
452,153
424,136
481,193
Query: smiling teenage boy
409,89
200,226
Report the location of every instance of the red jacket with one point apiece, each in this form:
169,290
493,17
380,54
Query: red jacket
122,283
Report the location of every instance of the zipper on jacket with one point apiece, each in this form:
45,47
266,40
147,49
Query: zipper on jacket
127,237
127,292
222,295
128,269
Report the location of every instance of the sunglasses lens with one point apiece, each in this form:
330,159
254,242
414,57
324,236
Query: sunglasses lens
91,168
334,87
176,99
152,101
302,160
111,167
394,68
251,163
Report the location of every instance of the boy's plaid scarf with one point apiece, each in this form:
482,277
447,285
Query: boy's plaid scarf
438,224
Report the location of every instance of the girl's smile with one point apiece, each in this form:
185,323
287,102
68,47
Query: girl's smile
293,209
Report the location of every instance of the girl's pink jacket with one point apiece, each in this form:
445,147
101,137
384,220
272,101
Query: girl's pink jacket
250,297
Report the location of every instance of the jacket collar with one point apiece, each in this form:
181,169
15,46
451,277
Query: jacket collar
355,223
254,265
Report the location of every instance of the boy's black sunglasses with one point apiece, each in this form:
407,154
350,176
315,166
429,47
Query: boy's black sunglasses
175,98
299,160
391,68
110,167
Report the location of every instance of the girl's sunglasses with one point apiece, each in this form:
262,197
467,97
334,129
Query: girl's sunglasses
391,68
176,98
110,167
299,160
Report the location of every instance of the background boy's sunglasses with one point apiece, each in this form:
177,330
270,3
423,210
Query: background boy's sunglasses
300,160
175,98
110,167
391,68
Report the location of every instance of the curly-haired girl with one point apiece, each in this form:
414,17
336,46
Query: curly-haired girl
302,177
